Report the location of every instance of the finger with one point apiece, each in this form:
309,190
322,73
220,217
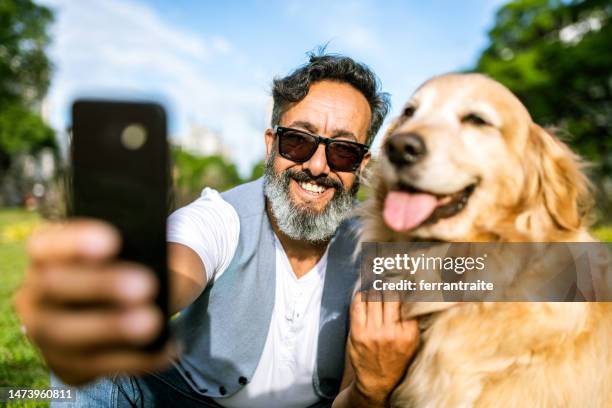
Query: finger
391,312
121,284
87,329
374,311
80,239
23,303
410,329
358,312
79,369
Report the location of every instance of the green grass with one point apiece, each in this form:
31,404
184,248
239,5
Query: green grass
20,363
604,233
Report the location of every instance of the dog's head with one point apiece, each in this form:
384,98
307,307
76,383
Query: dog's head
465,161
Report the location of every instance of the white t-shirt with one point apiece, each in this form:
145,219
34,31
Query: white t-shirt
283,377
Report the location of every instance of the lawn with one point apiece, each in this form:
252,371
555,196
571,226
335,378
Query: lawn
604,233
20,364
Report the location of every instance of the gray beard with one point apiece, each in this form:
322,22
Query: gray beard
301,223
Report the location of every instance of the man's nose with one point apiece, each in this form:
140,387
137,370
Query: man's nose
317,164
405,149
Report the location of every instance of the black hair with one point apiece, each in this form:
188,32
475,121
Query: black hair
294,87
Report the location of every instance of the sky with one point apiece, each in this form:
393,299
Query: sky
211,63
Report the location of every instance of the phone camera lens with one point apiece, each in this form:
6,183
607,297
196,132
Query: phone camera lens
134,136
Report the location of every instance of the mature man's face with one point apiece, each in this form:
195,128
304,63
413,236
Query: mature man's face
311,195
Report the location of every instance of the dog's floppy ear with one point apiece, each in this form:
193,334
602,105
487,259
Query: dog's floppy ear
560,184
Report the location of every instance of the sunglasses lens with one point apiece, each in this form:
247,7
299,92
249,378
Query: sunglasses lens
344,156
299,147
296,146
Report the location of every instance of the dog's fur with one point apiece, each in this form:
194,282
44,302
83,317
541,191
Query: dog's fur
530,187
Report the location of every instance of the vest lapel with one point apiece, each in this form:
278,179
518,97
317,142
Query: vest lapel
340,280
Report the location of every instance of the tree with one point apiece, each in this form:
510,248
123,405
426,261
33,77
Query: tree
24,79
258,170
192,173
555,56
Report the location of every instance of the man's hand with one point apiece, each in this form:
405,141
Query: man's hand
380,346
87,312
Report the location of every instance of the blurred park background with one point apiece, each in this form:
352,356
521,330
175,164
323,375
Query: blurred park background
212,65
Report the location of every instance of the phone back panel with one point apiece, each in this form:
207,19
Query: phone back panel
120,174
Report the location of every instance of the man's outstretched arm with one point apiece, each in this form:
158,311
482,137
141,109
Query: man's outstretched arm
74,264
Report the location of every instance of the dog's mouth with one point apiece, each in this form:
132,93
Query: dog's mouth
407,208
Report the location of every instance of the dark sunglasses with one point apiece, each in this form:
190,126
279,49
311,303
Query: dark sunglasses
299,146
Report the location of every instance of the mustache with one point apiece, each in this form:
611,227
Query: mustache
305,176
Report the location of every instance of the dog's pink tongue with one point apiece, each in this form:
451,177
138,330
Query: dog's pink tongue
404,211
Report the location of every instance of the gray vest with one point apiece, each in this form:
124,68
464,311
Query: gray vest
225,329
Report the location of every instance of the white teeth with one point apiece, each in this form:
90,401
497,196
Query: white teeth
313,188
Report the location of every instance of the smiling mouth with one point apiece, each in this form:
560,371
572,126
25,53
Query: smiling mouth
407,208
312,188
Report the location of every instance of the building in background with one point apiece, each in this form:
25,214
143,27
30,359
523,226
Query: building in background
202,141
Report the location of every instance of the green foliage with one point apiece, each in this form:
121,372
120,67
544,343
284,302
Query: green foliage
20,363
603,233
24,78
258,170
555,56
22,131
192,173
24,67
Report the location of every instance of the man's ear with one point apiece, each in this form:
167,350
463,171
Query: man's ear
269,137
365,161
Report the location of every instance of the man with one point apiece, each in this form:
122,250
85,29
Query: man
262,275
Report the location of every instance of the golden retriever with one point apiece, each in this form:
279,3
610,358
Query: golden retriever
466,163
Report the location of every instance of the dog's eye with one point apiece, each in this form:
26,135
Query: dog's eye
408,111
474,119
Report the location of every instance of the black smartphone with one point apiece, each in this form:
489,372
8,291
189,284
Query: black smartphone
121,174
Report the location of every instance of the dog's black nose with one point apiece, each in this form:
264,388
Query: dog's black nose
405,149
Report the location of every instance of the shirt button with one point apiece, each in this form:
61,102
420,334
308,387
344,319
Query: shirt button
222,390
242,380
